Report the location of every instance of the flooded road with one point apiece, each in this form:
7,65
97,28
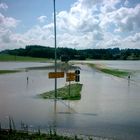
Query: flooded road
109,106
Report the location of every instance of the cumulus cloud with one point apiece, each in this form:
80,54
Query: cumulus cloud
80,18
132,41
135,38
125,19
88,3
126,3
75,41
6,26
113,43
109,5
42,19
3,6
37,34
87,24
8,22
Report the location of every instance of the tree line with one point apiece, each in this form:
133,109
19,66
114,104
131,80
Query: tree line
73,54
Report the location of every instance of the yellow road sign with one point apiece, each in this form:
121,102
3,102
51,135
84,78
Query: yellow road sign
68,79
70,76
56,75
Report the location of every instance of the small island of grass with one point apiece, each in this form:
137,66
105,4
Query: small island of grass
63,93
114,72
8,71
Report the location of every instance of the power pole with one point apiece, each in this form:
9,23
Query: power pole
55,44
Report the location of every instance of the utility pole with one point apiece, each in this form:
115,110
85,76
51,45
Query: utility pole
55,44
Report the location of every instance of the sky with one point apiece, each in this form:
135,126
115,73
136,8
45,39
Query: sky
81,24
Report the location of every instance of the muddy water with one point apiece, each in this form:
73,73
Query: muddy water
109,107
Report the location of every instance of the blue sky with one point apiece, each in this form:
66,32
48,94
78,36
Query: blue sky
80,23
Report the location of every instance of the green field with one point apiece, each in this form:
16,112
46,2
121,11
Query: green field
6,57
63,93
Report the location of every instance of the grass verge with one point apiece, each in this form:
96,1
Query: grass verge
114,72
63,93
8,71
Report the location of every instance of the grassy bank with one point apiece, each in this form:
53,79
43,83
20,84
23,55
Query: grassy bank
8,71
23,135
114,72
6,57
63,93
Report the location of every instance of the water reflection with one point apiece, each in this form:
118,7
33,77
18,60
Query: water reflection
55,114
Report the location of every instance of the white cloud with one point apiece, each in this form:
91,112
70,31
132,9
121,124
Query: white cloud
87,24
36,35
3,6
42,19
113,43
109,5
126,3
8,22
80,18
125,19
5,35
6,26
76,41
88,3
132,41
135,38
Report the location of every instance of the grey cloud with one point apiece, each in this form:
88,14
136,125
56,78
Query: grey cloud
127,19
135,38
89,3
98,35
5,37
113,43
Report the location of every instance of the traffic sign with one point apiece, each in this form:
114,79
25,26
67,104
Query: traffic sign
70,76
56,75
77,71
68,79
77,78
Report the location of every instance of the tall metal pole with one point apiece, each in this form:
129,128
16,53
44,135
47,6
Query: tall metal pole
55,44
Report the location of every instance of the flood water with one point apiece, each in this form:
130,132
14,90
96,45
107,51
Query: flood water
109,106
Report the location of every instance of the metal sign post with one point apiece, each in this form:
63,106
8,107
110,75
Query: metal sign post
70,77
55,44
69,88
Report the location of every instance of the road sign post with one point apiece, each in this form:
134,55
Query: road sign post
55,44
70,77
69,88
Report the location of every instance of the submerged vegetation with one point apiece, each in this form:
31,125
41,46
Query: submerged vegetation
22,135
51,133
115,72
63,93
